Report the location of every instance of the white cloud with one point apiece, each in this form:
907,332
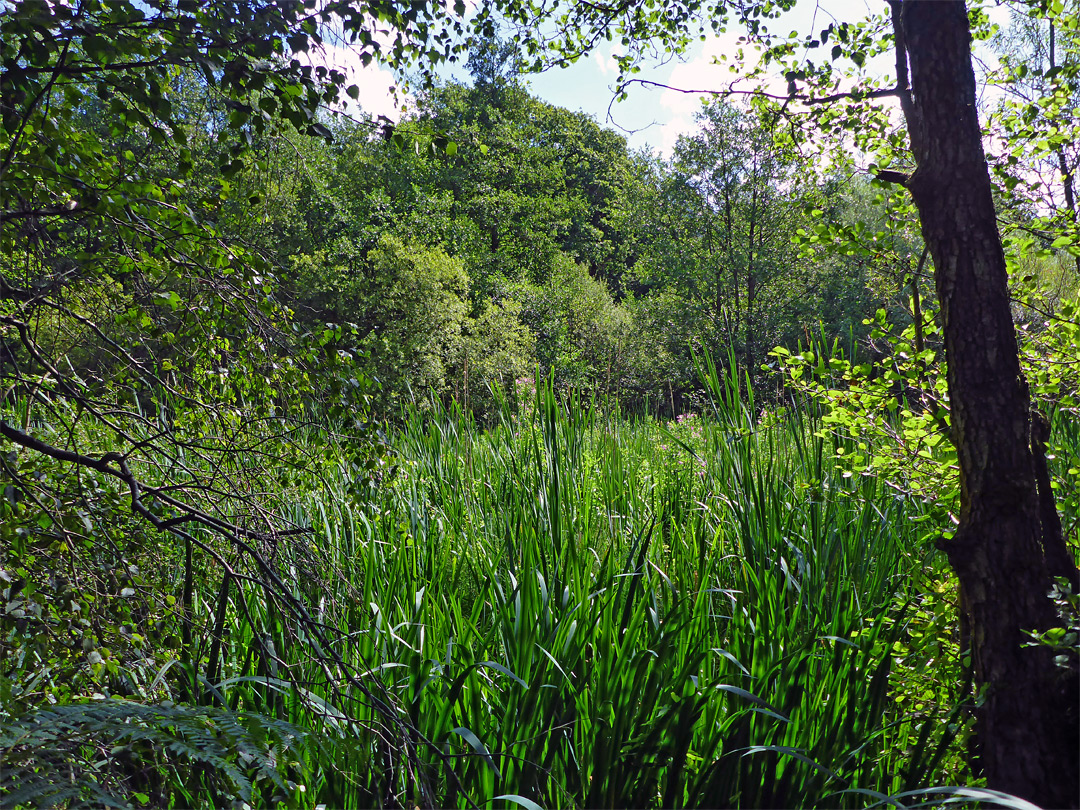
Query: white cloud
376,84
605,61
705,71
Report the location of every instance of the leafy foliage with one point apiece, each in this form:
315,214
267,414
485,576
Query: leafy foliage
53,756
220,585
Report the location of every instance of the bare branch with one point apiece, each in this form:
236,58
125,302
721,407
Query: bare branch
852,95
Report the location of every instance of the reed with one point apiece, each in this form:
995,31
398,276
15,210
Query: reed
576,608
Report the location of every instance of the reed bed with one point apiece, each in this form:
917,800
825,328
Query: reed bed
576,608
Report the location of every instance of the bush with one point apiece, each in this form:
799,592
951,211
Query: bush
582,335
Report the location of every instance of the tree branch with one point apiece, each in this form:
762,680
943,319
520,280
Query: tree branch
890,176
852,95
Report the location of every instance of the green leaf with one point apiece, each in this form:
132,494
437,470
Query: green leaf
170,299
478,747
521,801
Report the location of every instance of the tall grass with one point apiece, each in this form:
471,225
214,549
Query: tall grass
575,608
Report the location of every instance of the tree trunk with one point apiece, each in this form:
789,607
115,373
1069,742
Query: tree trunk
749,349
729,224
1027,735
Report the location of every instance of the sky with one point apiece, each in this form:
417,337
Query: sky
655,117
650,118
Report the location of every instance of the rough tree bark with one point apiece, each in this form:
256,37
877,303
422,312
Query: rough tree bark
1028,739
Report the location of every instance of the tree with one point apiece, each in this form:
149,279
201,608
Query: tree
116,251
581,333
96,163
146,359
743,179
1039,72
493,63
530,179
413,310
1005,549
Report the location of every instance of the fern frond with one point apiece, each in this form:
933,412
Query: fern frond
98,752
